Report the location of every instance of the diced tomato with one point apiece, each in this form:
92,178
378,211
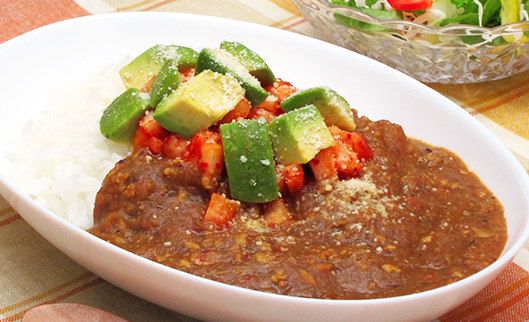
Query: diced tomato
141,138
205,148
241,111
281,89
290,177
155,145
153,128
147,86
410,4
360,146
294,177
352,140
221,209
323,165
276,212
174,146
271,104
187,74
257,112
150,134
144,139
211,164
345,154
193,149
346,160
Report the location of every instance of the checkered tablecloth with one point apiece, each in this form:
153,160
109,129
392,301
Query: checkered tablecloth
33,272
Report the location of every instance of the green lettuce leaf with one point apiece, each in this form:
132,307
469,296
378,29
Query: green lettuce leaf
470,16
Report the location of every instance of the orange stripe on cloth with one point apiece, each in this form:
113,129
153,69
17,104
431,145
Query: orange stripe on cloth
511,97
485,94
158,5
6,211
489,93
22,16
81,288
135,6
48,293
505,299
287,6
518,309
297,21
288,22
10,220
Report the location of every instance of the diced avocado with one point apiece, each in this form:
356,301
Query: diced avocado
119,121
297,136
249,161
221,61
251,60
145,66
333,107
167,81
199,103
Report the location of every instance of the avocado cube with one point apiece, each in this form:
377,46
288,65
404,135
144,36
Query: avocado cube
249,161
297,136
251,60
221,61
119,121
148,64
199,103
333,107
167,81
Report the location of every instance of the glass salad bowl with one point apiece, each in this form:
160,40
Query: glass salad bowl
450,54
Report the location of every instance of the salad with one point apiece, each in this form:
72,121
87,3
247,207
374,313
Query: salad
440,13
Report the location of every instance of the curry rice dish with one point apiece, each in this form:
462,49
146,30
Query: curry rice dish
403,217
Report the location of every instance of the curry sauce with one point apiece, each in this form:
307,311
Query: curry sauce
415,218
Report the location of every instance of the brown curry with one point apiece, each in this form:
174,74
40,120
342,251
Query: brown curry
414,219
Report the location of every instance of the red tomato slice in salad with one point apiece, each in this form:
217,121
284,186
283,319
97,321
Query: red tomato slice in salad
410,4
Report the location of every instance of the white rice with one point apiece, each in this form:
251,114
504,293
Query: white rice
61,158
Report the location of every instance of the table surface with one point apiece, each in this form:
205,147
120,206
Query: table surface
34,272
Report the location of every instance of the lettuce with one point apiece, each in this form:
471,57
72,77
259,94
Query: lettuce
457,11
470,16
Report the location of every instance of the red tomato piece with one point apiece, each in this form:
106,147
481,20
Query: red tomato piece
153,128
345,155
174,145
271,104
294,176
346,160
360,146
211,163
141,138
257,112
410,4
186,75
221,209
353,141
193,149
144,139
281,89
241,111
323,165
155,145
276,212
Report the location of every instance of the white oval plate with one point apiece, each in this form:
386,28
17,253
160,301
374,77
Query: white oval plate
35,63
